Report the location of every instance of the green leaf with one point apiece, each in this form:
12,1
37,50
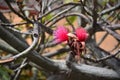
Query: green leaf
105,16
71,19
46,18
68,1
76,0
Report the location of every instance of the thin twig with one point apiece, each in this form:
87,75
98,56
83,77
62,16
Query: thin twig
57,9
23,64
60,13
102,39
21,10
85,8
116,16
18,31
12,25
57,52
72,14
110,9
23,17
113,33
102,59
116,46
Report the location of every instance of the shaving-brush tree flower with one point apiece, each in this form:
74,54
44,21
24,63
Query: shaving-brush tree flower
60,34
75,41
81,34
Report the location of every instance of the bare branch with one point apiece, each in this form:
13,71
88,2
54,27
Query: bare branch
60,13
99,53
114,34
23,64
102,39
23,17
32,56
113,26
6,47
12,25
57,52
103,58
71,14
45,28
35,41
87,72
116,46
96,71
57,9
110,9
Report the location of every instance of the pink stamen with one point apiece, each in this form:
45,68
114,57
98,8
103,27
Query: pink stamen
81,33
60,34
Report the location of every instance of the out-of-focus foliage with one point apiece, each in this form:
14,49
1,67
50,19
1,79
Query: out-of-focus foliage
5,73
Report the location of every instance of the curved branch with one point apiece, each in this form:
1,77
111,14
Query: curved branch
60,13
35,41
33,45
54,66
72,14
32,56
57,9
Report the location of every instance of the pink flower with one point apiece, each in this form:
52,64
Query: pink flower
81,33
60,34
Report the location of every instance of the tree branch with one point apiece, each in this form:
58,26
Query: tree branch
110,9
60,13
26,51
32,56
6,47
56,8
71,14
87,72
103,58
114,34
13,10
99,53
57,52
